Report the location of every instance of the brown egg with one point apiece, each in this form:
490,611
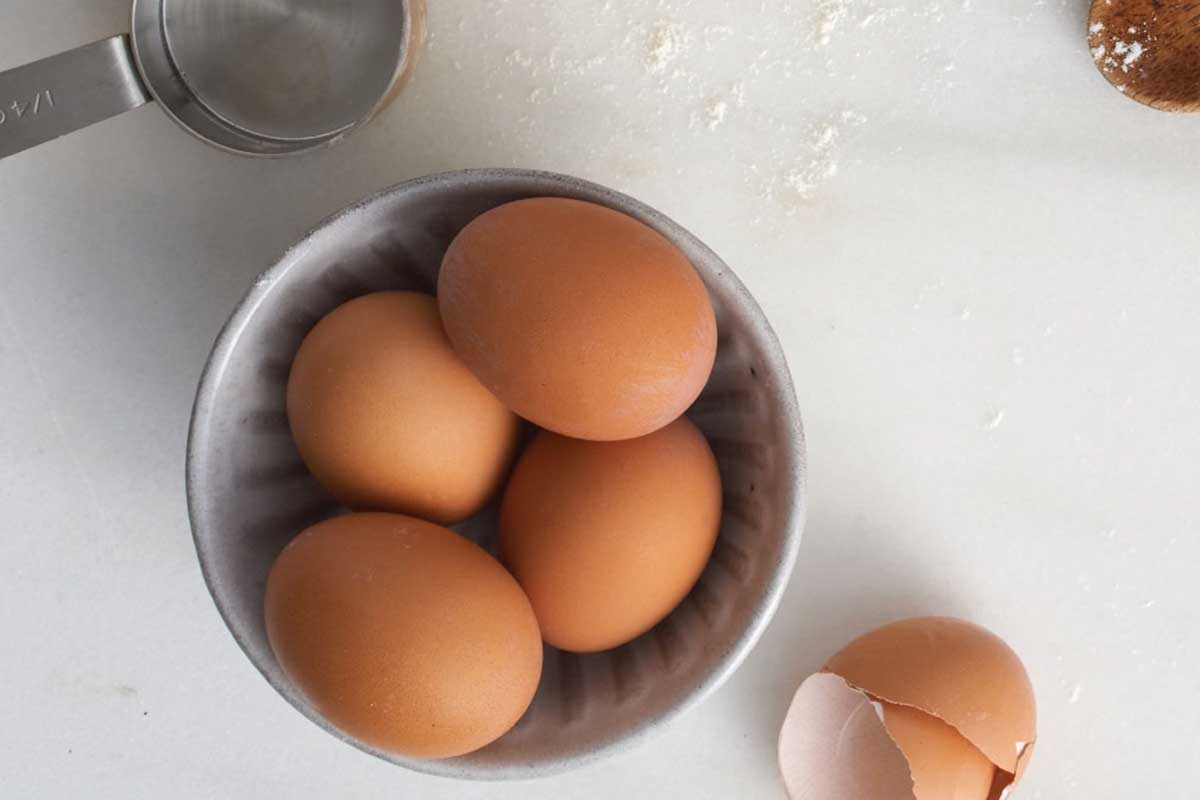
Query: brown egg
607,538
943,765
580,318
387,417
957,671
403,634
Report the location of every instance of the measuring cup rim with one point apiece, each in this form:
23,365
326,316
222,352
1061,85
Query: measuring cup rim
148,46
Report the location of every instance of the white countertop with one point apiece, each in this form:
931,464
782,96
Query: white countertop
984,264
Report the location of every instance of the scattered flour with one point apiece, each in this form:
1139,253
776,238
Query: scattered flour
818,167
714,113
738,93
697,74
878,16
817,163
666,43
830,14
521,58
713,34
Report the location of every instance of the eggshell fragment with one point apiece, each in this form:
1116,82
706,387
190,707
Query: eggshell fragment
957,671
944,765
1003,784
834,746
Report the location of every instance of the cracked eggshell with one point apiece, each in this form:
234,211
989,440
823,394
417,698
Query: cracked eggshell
955,670
833,746
943,765
930,708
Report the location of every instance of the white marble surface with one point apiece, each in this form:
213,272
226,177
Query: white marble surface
990,310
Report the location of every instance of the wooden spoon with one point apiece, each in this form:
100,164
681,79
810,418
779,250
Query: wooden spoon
1149,50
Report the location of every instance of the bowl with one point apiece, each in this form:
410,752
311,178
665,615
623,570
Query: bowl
249,493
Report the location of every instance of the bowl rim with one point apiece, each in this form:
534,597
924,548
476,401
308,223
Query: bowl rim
783,394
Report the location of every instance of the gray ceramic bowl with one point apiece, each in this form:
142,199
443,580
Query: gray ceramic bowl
249,494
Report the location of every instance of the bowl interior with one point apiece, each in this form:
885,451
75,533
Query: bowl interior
249,493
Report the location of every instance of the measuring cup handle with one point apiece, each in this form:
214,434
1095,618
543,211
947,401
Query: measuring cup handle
63,93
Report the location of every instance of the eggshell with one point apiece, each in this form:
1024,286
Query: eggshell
403,634
580,318
941,688
387,417
607,538
954,670
833,746
944,765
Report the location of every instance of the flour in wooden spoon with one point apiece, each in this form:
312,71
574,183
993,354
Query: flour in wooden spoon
1118,49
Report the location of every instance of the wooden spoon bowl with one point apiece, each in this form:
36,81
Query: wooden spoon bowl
1149,50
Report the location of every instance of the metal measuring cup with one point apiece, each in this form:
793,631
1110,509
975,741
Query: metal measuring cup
255,77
